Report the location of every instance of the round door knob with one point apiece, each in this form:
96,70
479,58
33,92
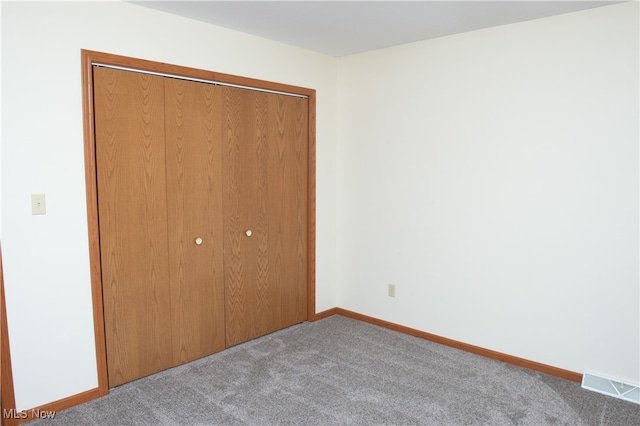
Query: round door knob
198,241
248,233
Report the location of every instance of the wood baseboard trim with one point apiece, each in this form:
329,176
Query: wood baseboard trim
51,409
323,314
509,359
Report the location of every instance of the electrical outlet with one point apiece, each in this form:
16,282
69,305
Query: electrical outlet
392,290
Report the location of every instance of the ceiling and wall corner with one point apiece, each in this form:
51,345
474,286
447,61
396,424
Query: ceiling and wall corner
45,257
342,28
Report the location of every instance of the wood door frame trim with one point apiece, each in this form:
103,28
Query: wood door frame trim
8,400
90,57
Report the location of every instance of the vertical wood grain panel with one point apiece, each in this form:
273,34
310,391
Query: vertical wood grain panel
194,193
266,166
239,169
288,178
130,157
257,145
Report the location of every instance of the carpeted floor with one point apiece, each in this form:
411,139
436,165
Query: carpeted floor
339,371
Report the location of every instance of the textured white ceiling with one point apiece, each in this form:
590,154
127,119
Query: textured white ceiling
340,28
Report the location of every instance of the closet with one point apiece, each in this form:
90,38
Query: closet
202,197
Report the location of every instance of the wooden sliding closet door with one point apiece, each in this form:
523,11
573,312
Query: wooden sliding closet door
265,210
288,200
194,195
132,199
202,204
158,155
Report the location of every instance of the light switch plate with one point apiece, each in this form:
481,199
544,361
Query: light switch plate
38,204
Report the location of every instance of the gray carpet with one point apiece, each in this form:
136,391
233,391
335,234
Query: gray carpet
339,371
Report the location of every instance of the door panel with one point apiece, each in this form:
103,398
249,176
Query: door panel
202,203
265,163
130,157
194,191
287,169
262,296
239,162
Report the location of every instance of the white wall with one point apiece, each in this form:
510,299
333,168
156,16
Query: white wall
0,122
46,259
493,177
